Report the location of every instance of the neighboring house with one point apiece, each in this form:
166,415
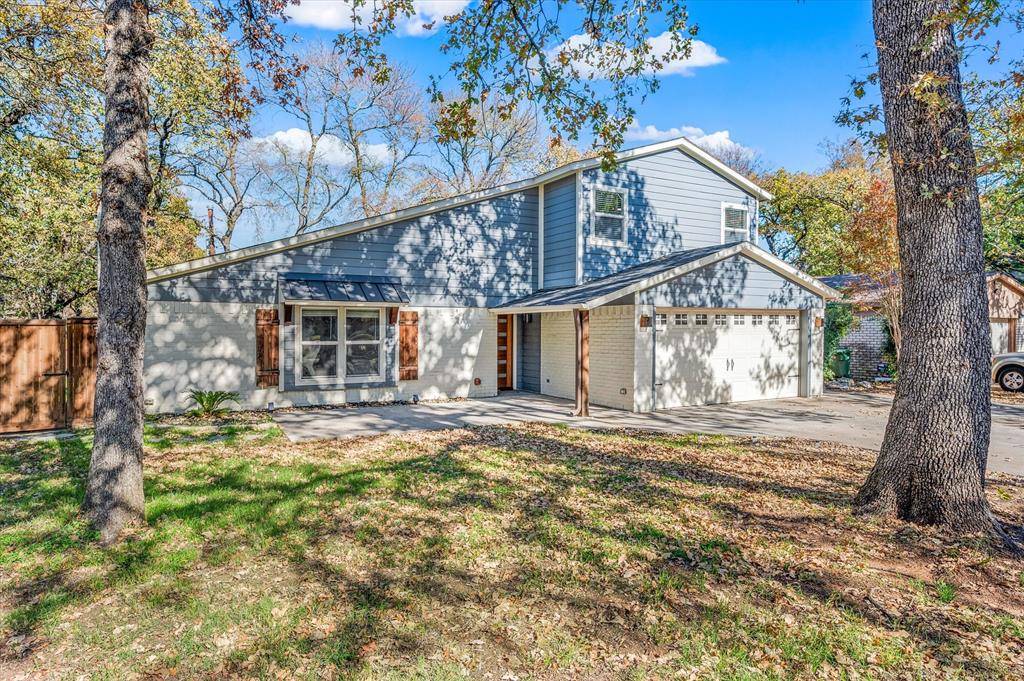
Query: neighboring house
867,339
655,263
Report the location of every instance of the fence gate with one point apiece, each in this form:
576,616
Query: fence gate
47,373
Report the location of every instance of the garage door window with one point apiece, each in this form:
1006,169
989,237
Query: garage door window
756,320
661,320
791,320
700,319
773,320
739,320
681,319
720,320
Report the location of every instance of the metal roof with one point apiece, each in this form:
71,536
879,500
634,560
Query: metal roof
305,288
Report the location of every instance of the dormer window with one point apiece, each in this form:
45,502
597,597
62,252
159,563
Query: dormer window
610,215
735,223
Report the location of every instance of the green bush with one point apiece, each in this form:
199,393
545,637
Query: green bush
211,402
838,320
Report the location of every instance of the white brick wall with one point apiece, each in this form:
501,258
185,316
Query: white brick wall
457,345
212,346
643,360
612,347
558,355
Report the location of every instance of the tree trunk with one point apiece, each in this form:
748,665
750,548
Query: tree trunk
931,468
114,497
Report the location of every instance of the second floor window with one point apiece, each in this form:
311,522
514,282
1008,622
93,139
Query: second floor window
735,223
610,215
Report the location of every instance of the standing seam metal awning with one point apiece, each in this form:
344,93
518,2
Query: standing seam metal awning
311,289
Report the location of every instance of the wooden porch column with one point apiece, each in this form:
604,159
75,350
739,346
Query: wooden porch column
581,320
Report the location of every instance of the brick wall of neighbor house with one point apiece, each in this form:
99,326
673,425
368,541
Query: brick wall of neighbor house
865,342
611,356
212,346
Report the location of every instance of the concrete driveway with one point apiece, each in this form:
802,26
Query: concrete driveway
851,418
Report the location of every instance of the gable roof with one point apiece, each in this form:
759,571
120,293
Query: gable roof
602,291
860,288
682,144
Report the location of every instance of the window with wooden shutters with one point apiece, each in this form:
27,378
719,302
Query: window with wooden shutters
735,223
267,370
408,346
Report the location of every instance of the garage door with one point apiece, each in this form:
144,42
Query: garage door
716,356
1000,336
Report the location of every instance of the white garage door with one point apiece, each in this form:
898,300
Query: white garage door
716,356
1000,336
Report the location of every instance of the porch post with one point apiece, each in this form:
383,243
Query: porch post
581,320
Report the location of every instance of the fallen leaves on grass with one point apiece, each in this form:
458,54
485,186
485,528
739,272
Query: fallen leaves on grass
518,552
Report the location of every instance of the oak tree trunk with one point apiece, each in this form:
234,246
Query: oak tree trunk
114,497
931,468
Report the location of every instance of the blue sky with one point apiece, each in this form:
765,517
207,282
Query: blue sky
769,74
785,66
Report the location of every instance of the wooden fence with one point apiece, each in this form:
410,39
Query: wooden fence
47,373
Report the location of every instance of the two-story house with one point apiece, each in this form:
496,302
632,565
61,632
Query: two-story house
641,289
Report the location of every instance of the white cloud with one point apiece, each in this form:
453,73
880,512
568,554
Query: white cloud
336,15
330,149
708,140
701,54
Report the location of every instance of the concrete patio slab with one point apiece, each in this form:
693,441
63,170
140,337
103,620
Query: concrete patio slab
854,418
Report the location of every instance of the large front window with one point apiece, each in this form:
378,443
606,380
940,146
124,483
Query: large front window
319,343
362,342
329,350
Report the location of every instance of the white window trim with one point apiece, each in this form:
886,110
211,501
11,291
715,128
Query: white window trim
737,206
602,241
341,343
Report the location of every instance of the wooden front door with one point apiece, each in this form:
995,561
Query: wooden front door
505,352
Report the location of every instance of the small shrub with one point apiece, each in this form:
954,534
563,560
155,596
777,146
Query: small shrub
945,591
212,402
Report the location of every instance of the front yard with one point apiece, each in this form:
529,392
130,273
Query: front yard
528,552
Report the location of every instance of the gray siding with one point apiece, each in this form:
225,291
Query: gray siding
480,254
529,352
735,282
675,204
560,233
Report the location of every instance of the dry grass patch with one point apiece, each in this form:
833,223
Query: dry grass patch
528,552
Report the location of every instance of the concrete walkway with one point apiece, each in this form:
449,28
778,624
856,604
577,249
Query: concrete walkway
850,418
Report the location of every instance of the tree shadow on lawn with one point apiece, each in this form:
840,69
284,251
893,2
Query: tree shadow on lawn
567,498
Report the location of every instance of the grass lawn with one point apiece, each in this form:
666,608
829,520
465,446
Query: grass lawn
528,552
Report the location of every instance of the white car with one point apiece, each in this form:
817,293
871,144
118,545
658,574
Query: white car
1008,371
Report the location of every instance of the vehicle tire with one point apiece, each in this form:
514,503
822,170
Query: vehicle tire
1011,379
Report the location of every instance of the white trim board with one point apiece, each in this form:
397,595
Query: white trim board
683,144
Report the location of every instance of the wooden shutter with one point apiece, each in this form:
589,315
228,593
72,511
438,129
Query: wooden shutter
266,348
408,346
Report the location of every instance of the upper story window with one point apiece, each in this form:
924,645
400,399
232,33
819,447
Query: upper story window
610,215
735,223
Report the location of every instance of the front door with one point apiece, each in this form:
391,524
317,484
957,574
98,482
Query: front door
505,352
